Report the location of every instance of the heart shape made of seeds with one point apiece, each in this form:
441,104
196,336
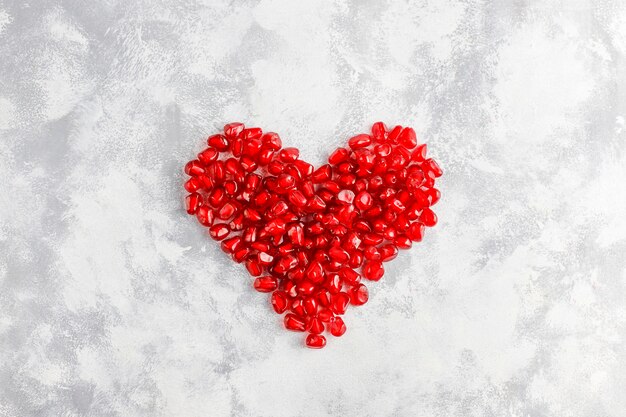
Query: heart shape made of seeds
310,236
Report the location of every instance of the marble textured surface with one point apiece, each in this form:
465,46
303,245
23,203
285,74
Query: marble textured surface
114,303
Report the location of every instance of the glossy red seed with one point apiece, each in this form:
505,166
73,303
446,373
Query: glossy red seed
359,295
345,196
193,202
394,135
315,341
280,301
314,325
233,130
288,155
337,327
373,270
265,284
360,141
323,173
407,138
428,217
205,215
193,184
338,156
219,231
254,267
403,242
388,252
227,211
232,244
339,302
350,276
338,254
218,142
297,307
194,168
208,156
294,323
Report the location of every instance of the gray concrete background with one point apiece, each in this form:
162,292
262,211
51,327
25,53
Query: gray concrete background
114,303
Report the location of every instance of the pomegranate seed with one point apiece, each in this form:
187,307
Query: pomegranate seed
338,156
294,323
232,130
428,217
314,325
359,295
315,341
193,202
373,270
337,327
360,141
279,300
407,138
219,231
340,303
265,284
288,155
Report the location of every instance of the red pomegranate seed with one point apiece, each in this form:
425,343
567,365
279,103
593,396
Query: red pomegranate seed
350,276
233,130
218,142
407,138
194,168
359,295
360,141
265,284
314,325
340,302
388,252
294,323
205,215
219,231
345,196
279,301
373,270
337,327
193,202
315,341
297,307
428,217
254,267
289,155
338,156
272,141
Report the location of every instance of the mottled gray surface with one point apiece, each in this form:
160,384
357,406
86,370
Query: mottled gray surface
114,303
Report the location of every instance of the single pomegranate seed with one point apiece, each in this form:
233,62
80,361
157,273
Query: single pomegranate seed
208,156
233,130
314,325
219,231
373,270
310,305
289,155
360,141
297,307
272,141
388,252
322,174
345,196
193,184
306,287
294,323
205,216
350,276
231,245
265,284
340,302
419,154
379,131
338,254
407,138
337,327
338,156
193,202
394,135
194,168
315,341
359,295
227,211
280,301
428,217
254,267
218,142
364,200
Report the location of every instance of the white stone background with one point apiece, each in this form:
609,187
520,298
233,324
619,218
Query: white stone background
113,302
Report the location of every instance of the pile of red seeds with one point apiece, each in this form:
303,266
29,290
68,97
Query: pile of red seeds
309,235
